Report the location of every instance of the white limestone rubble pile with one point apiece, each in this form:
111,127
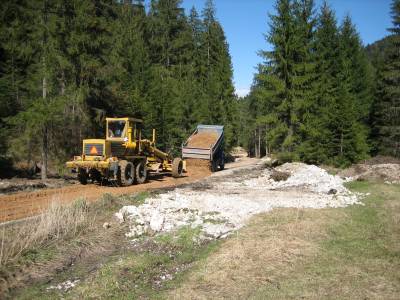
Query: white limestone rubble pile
227,202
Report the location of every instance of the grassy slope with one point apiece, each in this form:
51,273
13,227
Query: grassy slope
360,257
352,252
348,253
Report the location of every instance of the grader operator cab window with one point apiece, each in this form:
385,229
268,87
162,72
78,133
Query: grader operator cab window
116,129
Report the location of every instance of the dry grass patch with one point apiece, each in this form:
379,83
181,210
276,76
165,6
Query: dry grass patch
342,253
46,249
272,243
58,222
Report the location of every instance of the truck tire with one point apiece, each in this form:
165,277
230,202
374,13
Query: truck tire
127,173
82,176
177,167
141,172
214,166
222,162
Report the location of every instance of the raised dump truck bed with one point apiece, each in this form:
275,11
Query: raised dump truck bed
206,143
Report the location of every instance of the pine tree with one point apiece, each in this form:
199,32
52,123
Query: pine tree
305,108
216,75
64,77
387,100
171,46
12,64
129,60
275,79
320,141
65,65
353,98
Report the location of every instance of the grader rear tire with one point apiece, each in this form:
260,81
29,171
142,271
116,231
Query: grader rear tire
141,172
127,173
177,167
82,176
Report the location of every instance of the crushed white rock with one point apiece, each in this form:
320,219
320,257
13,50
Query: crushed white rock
64,286
227,202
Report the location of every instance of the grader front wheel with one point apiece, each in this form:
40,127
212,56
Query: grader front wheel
127,173
82,176
177,167
141,172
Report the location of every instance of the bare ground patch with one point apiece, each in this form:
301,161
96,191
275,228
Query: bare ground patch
271,244
66,241
346,253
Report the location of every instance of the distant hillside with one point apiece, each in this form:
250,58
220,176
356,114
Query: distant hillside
376,50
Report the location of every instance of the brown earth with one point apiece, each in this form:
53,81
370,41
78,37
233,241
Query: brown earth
198,163
203,140
13,185
26,204
380,159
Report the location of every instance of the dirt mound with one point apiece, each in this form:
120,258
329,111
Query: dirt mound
192,162
379,172
198,166
380,159
238,152
203,140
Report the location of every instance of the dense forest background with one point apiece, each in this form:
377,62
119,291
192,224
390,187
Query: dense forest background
67,64
319,96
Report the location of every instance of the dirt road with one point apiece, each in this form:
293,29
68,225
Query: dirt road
21,205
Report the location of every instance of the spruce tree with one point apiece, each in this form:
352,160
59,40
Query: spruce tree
129,60
387,99
274,81
12,64
170,43
216,75
65,65
320,136
305,108
353,97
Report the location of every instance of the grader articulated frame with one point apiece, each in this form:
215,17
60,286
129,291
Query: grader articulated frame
123,156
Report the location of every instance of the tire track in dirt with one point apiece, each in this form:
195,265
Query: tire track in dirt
27,204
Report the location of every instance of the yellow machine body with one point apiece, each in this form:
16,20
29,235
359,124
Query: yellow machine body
123,146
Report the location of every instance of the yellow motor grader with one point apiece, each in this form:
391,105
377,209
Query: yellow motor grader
123,156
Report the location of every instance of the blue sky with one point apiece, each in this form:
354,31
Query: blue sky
245,22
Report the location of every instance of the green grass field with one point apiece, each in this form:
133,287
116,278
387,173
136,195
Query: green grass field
342,253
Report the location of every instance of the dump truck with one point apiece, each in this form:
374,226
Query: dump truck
123,157
206,143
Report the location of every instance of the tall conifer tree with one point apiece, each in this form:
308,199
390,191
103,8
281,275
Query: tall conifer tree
387,100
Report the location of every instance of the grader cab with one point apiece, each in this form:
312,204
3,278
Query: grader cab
123,156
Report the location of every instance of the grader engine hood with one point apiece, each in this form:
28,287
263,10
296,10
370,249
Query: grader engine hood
95,147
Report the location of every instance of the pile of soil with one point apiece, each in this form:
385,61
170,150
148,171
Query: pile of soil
238,152
203,140
198,166
380,159
387,172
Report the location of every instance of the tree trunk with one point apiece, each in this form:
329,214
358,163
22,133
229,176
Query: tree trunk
44,137
266,141
259,142
341,144
44,153
255,143
44,94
